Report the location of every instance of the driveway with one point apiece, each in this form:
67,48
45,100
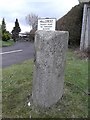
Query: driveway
18,53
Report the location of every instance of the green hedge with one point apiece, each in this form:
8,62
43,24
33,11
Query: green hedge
72,22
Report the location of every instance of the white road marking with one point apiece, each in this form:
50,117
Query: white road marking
11,52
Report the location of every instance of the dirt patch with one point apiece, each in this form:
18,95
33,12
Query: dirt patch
82,55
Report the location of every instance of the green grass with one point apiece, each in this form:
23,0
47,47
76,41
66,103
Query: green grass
6,43
17,87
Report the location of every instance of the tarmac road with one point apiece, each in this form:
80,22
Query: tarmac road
18,53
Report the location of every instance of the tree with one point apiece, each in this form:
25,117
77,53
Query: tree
3,26
5,34
16,30
32,20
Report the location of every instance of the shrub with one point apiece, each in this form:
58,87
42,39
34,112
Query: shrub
32,34
6,36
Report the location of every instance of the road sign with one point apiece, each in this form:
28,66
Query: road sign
47,24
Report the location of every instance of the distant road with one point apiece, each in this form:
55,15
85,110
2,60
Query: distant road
18,53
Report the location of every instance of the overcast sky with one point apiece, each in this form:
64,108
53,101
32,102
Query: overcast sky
12,9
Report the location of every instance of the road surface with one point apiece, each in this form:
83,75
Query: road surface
18,53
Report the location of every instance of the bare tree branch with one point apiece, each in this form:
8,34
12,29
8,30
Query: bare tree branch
32,20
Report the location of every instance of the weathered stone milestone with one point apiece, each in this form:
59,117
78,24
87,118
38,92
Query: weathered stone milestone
48,80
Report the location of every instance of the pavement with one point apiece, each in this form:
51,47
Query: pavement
17,53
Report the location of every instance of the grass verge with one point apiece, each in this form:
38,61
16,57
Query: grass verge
6,43
17,87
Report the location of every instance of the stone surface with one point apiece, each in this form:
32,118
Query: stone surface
89,28
85,34
84,1
48,80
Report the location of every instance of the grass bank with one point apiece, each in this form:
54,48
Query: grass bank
6,43
17,88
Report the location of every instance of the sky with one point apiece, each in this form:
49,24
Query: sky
12,9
